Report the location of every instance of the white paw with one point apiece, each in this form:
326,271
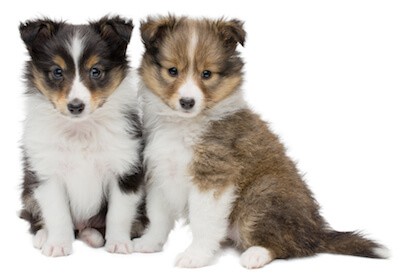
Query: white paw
146,245
119,247
193,258
255,257
57,249
92,237
39,238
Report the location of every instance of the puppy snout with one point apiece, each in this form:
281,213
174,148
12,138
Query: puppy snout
76,107
187,103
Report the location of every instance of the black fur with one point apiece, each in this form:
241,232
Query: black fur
136,124
29,184
107,38
131,182
45,39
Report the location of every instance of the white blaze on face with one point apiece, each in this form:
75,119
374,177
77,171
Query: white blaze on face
192,46
78,90
190,89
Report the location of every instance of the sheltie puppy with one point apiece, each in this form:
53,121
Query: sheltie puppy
212,160
82,142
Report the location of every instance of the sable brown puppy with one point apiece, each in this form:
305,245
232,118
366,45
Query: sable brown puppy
211,159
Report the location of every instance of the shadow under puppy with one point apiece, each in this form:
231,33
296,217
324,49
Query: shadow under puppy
82,136
210,159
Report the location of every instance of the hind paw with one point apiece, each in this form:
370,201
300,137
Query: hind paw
255,257
92,237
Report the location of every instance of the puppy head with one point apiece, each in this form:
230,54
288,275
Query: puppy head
191,64
77,67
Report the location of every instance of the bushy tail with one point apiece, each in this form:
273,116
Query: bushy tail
352,243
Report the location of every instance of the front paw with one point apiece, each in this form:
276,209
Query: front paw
51,247
193,258
147,245
119,246
57,248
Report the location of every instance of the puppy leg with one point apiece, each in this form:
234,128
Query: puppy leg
121,213
161,223
53,202
209,219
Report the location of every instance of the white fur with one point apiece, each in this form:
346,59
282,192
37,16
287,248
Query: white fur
78,90
167,154
209,219
121,211
162,215
78,161
171,194
192,46
92,237
39,238
382,252
53,201
189,89
255,257
76,48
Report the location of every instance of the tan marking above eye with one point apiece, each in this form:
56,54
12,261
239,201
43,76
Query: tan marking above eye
99,96
92,61
58,60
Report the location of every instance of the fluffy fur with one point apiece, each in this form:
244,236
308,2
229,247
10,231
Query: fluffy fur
210,159
82,136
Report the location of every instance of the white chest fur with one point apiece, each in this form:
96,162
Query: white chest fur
169,144
85,156
168,154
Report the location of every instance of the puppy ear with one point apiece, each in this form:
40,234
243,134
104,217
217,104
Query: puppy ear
153,30
38,31
231,31
116,31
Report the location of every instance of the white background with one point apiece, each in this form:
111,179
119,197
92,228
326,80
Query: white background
325,74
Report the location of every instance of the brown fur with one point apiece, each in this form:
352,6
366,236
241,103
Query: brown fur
57,96
167,44
274,207
60,62
99,95
92,61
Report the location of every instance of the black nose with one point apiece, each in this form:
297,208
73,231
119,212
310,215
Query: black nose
187,103
76,107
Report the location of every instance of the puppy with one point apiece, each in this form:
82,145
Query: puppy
210,159
82,136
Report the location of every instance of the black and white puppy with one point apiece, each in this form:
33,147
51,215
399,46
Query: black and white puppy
82,139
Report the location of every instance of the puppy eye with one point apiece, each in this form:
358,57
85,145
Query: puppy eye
173,71
57,73
206,74
95,73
